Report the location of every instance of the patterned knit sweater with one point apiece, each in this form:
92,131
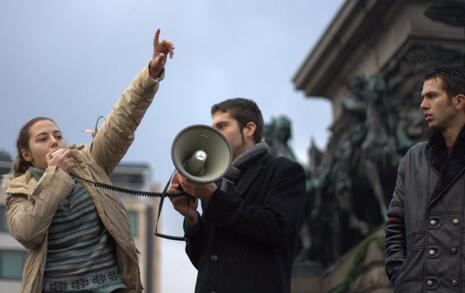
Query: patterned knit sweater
80,255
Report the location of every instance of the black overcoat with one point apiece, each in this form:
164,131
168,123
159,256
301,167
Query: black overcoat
245,240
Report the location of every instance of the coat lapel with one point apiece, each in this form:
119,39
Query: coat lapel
250,173
450,167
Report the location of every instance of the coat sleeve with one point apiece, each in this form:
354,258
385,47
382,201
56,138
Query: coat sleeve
395,245
113,140
29,216
270,223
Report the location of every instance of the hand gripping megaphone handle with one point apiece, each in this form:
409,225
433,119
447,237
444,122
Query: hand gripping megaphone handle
160,206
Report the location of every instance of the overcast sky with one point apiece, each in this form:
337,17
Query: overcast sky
71,59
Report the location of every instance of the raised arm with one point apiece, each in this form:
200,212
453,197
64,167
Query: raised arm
113,140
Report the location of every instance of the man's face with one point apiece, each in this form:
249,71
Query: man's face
229,127
437,107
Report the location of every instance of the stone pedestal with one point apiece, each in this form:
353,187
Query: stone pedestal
370,277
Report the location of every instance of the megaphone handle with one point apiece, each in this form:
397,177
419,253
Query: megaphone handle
162,198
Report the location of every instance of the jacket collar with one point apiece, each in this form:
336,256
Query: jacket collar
249,172
449,167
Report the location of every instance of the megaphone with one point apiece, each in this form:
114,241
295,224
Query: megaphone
201,153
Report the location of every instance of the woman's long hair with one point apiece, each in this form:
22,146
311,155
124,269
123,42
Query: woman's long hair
20,165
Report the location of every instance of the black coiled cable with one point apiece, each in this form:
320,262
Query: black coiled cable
126,190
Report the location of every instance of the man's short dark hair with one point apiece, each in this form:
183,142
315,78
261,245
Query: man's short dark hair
453,79
243,111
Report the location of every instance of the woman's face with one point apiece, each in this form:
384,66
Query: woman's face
44,138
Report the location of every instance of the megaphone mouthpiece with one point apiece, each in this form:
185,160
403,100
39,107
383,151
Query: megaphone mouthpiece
195,164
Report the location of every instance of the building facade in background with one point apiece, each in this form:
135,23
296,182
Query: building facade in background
12,253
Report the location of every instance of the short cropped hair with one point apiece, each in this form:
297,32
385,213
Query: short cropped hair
453,79
243,111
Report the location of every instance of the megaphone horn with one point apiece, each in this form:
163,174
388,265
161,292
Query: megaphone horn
201,153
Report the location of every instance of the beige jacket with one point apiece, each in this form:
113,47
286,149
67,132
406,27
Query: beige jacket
32,204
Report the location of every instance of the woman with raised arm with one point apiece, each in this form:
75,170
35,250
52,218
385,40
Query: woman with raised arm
77,236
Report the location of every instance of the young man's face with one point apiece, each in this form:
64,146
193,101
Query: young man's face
229,127
439,110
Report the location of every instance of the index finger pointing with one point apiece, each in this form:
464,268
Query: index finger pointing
156,39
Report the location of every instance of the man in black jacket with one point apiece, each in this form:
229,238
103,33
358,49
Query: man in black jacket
245,239
425,228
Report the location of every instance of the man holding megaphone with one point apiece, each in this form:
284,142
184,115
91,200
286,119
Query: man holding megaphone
244,241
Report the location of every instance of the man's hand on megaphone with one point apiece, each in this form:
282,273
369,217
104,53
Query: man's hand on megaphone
203,191
186,205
